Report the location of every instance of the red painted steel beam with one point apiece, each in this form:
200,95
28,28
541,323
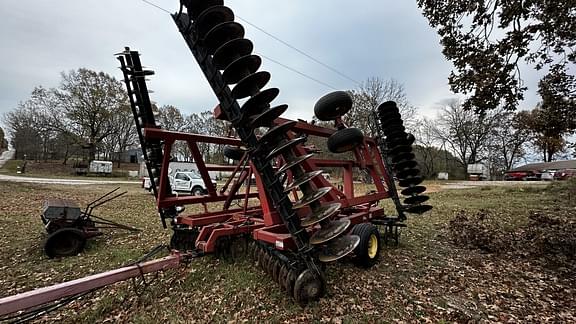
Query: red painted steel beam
219,167
179,136
307,128
185,200
45,295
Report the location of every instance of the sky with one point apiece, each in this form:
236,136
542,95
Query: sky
360,39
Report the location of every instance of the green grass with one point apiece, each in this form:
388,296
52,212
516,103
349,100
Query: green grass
10,166
426,278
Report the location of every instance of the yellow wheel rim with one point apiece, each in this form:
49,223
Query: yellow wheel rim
372,246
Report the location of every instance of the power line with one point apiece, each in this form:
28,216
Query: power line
300,51
275,61
301,73
157,6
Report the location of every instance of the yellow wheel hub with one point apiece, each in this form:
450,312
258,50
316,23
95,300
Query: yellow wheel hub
372,246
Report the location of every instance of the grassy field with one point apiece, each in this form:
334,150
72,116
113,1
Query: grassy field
487,254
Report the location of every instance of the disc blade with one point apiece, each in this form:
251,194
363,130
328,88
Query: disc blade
221,34
411,138
250,85
396,150
275,269
292,163
413,190
405,164
418,209
303,179
416,200
268,116
391,117
260,101
308,287
196,8
320,214
285,146
330,231
403,156
407,173
272,135
339,248
406,182
289,282
212,17
310,198
388,106
390,129
282,276
398,138
230,51
241,68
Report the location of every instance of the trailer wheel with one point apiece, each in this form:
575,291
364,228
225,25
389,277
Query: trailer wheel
333,105
65,242
368,251
345,140
233,152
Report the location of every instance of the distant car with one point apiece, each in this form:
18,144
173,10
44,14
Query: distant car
518,175
190,181
565,174
547,175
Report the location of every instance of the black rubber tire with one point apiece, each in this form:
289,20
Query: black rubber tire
197,191
65,242
345,140
362,256
333,105
233,152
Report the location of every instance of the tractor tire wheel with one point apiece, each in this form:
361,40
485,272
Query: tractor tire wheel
345,140
197,191
333,105
234,152
367,252
65,242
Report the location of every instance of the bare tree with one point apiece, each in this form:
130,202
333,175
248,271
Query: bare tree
28,131
123,135
426,147
372,93
465,132
506,143
171,118
3,141
87,102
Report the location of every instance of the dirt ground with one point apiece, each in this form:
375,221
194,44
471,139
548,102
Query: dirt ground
453,264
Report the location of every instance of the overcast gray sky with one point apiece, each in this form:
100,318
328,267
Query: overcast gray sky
361,38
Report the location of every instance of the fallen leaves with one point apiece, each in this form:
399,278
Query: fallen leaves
427,278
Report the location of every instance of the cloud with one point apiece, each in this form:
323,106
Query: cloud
387,39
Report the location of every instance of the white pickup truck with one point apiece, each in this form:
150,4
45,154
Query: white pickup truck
187,181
